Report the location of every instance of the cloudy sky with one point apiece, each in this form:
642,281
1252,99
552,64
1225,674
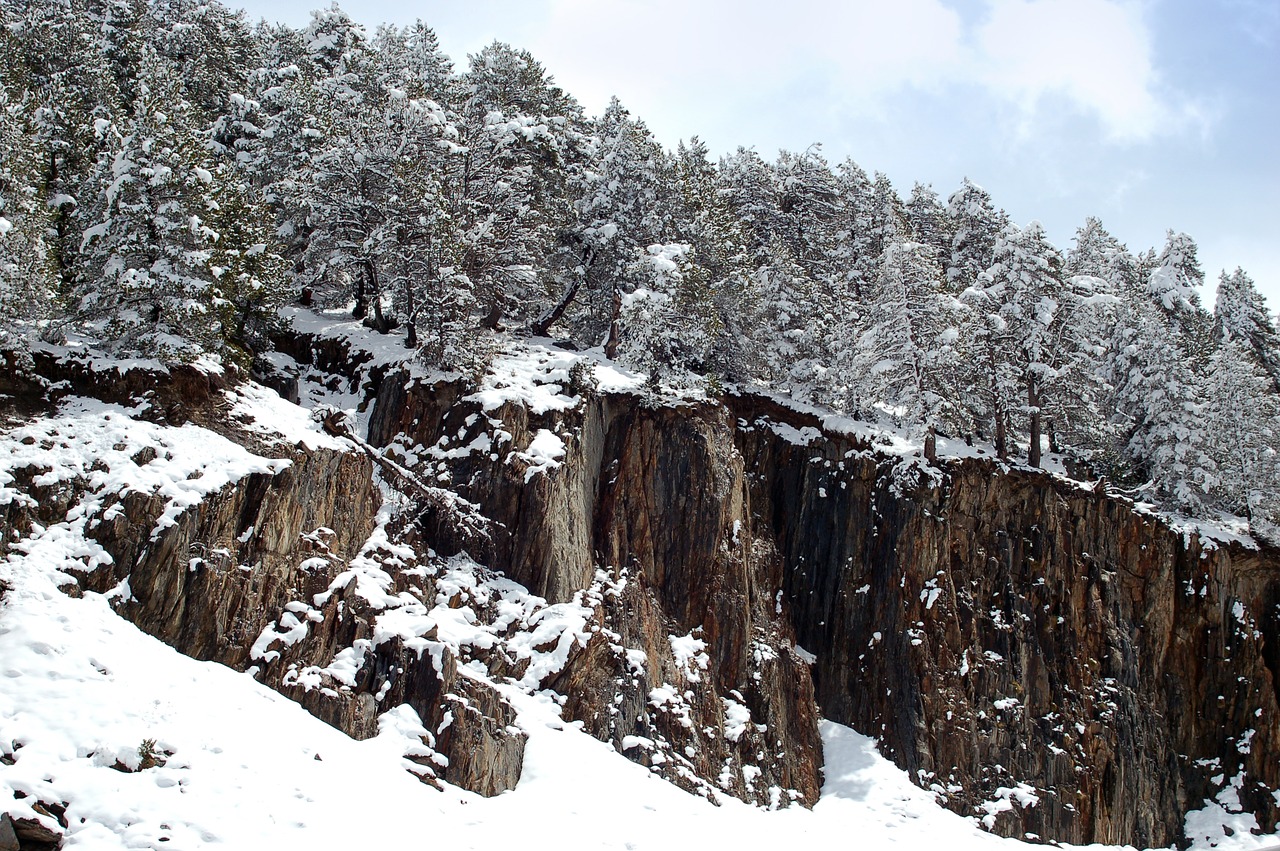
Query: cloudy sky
1150,114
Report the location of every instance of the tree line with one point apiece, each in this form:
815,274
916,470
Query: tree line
171,175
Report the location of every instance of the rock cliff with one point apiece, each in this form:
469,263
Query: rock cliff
698,581
1001,629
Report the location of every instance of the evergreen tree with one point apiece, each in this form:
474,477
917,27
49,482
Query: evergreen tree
210,47
616,218
1172,286
522,141
663,323
789,332
1160,406
410,60
857,252
28,268
1100,255
908,350
146,262
976,224
1242,421
928,221
1240,317
700,217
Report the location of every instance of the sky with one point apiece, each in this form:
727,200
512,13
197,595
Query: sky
1149,114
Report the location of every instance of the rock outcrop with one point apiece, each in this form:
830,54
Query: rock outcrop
997,627
696,579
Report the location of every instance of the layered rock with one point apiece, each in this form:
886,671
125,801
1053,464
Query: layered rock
698,578
1007,634
693,670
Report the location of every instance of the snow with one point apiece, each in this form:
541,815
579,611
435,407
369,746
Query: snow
115,453
736,719
536,374
544,453
244,767
262,411
690,655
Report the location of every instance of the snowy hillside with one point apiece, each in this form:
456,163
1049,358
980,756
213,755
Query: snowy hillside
115,740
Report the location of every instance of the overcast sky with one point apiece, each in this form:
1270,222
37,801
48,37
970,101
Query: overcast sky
1150,114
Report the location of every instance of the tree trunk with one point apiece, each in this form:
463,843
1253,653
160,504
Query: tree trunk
1001,439
1033,404
931,445
546,320
493,318
410,315
359,311
615,320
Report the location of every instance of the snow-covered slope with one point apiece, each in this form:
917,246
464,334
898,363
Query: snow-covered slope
145,747
246,768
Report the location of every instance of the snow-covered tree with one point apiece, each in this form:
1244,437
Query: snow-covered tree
409,59
1027,309
28,266
700,217
1098,254
146,264
1242,421
857,252
811,214
976,224
617,217
1240,316
1172,287
928,219
1160,406
209,46
908,350
664,327
522,140
788,331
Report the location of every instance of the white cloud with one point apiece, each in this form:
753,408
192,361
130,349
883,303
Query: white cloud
1095,53
694,60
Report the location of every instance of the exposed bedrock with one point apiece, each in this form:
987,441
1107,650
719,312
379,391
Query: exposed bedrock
1002,627
1048,659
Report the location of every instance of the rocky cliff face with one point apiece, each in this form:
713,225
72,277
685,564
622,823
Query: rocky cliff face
693,670
697,579
1049,659
997,628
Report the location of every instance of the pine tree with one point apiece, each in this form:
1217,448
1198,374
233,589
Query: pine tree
28,267
976,225
1031,314
811,213
788,330
663,322
1240,317
409,59
617,216
248,271
908,350
1100,255
928,219
146,269
1242,422
702,219
857,252
1160,406
210,47
1172,287
522,140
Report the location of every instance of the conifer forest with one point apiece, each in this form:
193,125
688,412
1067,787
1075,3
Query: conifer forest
172,175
